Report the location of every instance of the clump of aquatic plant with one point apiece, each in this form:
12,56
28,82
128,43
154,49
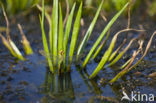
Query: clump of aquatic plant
10,45
59,39
57,50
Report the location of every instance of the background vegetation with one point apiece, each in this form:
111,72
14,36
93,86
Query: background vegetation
147,6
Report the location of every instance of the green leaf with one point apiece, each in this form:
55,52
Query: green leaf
61,36
104,58
116,51
121,53
60,40
67,31
55,29
75,34
107,54
45,44
89,31
102,35
101,46
125,64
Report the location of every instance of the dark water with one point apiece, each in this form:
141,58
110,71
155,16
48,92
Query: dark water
31,82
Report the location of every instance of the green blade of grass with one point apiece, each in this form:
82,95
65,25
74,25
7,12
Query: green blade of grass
121,53
55,29
125,64
117,50
104,58
44,39
102,35
60,40
45,45
89,31
48,17
101,46
75,34
51,35
67,31
61,37
46,14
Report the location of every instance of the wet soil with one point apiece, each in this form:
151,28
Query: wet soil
31,82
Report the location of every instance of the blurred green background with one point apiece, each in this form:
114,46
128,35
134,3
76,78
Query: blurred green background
18,6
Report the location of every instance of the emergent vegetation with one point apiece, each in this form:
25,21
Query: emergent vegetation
58,57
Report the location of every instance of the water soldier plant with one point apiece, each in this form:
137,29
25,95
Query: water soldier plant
10,45
58,41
